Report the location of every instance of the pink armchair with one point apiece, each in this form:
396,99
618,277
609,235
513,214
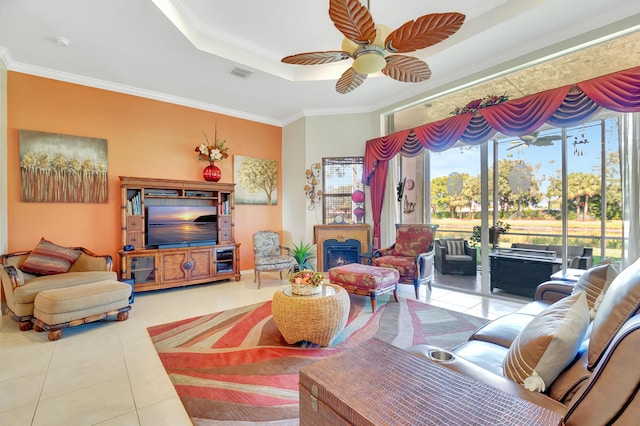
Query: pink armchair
412,254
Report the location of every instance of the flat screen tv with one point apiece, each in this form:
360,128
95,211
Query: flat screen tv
175,226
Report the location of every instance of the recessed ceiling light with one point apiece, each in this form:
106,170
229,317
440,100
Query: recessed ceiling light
62,41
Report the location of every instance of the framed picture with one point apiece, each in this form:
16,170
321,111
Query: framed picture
56,168
256,180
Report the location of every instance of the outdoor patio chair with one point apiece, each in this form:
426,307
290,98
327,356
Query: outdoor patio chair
454,256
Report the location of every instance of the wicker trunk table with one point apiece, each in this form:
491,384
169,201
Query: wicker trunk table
317,318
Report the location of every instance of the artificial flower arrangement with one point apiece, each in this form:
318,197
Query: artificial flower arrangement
474,106
306,277
306,282
212,152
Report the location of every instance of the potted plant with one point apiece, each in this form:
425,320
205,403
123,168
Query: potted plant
494,233
303,253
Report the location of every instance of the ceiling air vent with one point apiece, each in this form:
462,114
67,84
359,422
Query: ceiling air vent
241,72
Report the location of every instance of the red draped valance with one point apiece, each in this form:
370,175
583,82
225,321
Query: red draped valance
562,107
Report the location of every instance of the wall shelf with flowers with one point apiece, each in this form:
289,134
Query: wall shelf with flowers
212,152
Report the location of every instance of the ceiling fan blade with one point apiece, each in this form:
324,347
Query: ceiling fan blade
545,140
315,58
515,146
406,69
425,31
353,20
349,80
531,137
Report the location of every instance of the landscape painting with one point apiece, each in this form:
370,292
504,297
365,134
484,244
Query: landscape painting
57,168
256,180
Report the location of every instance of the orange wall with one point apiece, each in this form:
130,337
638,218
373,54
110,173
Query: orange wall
146,138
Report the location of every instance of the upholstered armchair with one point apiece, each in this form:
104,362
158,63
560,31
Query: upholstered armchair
454,256
269,255
412,254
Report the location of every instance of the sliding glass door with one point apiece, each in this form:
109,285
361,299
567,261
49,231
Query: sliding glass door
555,188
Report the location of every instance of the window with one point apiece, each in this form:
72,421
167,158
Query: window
529,185
455,190
592,204
343,191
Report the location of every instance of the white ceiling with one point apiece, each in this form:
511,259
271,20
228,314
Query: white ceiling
183,51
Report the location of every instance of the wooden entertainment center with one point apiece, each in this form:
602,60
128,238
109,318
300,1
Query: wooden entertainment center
154,268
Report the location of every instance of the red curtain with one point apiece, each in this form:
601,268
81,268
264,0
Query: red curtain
443,134
618,92
523,116
564,106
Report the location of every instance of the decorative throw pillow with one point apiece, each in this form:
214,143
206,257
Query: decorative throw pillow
455,247
412,240
548,343
48,258
595,282
620,302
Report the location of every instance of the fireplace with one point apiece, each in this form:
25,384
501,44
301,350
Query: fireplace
340,253
346,243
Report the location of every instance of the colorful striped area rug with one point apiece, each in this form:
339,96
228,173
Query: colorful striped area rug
234,367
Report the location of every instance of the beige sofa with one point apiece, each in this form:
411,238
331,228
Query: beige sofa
596,386
19,289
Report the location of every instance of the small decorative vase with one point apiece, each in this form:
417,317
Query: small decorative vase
305,289
212,173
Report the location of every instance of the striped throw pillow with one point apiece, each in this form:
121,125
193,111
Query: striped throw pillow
548,343
455,247
595,282
48,258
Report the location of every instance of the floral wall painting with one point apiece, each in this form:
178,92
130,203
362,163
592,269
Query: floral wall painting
56,168
256,180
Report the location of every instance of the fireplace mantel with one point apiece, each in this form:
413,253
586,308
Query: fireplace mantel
340,233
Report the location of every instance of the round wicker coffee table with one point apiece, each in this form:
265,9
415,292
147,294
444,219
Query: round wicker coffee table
317,318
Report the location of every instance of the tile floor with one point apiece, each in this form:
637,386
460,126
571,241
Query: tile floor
108,373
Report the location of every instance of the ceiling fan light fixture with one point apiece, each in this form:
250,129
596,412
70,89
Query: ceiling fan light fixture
369,61
349,46
382,32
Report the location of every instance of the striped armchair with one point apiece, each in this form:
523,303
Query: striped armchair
454,256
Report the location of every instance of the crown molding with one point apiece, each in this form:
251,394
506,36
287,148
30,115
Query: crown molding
129,90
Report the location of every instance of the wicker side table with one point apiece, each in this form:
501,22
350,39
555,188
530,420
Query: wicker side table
317,318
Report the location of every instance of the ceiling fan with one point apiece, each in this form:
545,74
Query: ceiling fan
373,47
533,139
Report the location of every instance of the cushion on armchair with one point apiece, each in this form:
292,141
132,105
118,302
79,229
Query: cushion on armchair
411,241
274,262
48,258
455,247
548,343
